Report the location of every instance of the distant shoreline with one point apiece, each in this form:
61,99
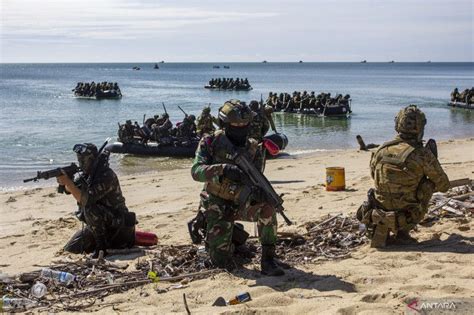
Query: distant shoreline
233,62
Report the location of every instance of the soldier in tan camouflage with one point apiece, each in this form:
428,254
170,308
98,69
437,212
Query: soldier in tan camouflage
406,174
102,207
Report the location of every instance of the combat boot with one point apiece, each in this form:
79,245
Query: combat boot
403,237
268,265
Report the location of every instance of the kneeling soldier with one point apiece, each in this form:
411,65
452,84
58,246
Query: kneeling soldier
102,207
406,174
224,188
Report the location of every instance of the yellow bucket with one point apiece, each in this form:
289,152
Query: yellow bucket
335,178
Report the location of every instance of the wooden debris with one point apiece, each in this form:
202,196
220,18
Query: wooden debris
460,182
458,202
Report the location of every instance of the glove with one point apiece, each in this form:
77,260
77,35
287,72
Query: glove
233,172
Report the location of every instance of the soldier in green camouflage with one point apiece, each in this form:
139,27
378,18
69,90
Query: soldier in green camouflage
406,174
102,207
205,122
227,196
261,122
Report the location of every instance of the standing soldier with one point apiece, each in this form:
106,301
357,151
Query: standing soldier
224,188
405,174
261,121
102,207
205,122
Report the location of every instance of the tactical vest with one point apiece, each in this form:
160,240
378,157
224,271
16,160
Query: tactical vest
221,150
396,181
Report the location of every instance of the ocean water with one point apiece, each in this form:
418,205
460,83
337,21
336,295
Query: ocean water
41,121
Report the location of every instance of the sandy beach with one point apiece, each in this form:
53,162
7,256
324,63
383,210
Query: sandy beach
36,224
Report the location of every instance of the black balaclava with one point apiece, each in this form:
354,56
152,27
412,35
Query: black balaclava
237,135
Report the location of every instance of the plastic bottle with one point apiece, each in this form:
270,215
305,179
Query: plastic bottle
59,276
38,290
8,303
241,298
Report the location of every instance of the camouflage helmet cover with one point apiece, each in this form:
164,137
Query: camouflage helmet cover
410,120
236,113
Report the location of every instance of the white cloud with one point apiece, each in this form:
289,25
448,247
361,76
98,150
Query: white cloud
106,19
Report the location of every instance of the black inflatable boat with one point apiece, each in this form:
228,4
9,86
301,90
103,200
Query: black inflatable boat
273,143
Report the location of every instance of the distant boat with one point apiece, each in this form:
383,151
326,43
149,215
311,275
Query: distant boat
226,67
136,68
363,61
162,61
391,61
216,67
429,61
156,66
264,61
301,61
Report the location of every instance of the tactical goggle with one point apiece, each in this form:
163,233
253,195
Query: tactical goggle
81,149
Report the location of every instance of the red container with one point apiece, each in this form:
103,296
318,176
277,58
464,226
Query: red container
271,147
145,238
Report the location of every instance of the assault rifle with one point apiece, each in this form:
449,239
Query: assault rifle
69,170
258,179
185,114
164,107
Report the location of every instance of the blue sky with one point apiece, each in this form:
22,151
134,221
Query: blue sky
276,30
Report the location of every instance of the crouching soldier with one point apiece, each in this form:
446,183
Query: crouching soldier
406,174
108,223
224,188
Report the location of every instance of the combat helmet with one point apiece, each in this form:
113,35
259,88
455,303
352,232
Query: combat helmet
206,110
254,105
86,155
410,122
235,113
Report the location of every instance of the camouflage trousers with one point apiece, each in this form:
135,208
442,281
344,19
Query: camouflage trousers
380,223
220,223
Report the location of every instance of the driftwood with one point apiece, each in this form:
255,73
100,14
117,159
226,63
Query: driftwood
458,202
460,182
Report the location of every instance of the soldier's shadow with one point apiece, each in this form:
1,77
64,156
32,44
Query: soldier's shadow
296,278
455,243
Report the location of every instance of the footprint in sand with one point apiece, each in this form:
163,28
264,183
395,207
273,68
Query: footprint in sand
373,298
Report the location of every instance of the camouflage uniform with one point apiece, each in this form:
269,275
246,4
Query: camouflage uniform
205,124
105,214
259,127
208,167
187,129
405,174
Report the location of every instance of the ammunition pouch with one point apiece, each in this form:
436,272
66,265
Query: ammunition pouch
364,213
239,235
197,229
230,191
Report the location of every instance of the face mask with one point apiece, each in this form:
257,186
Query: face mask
238,135
85,163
